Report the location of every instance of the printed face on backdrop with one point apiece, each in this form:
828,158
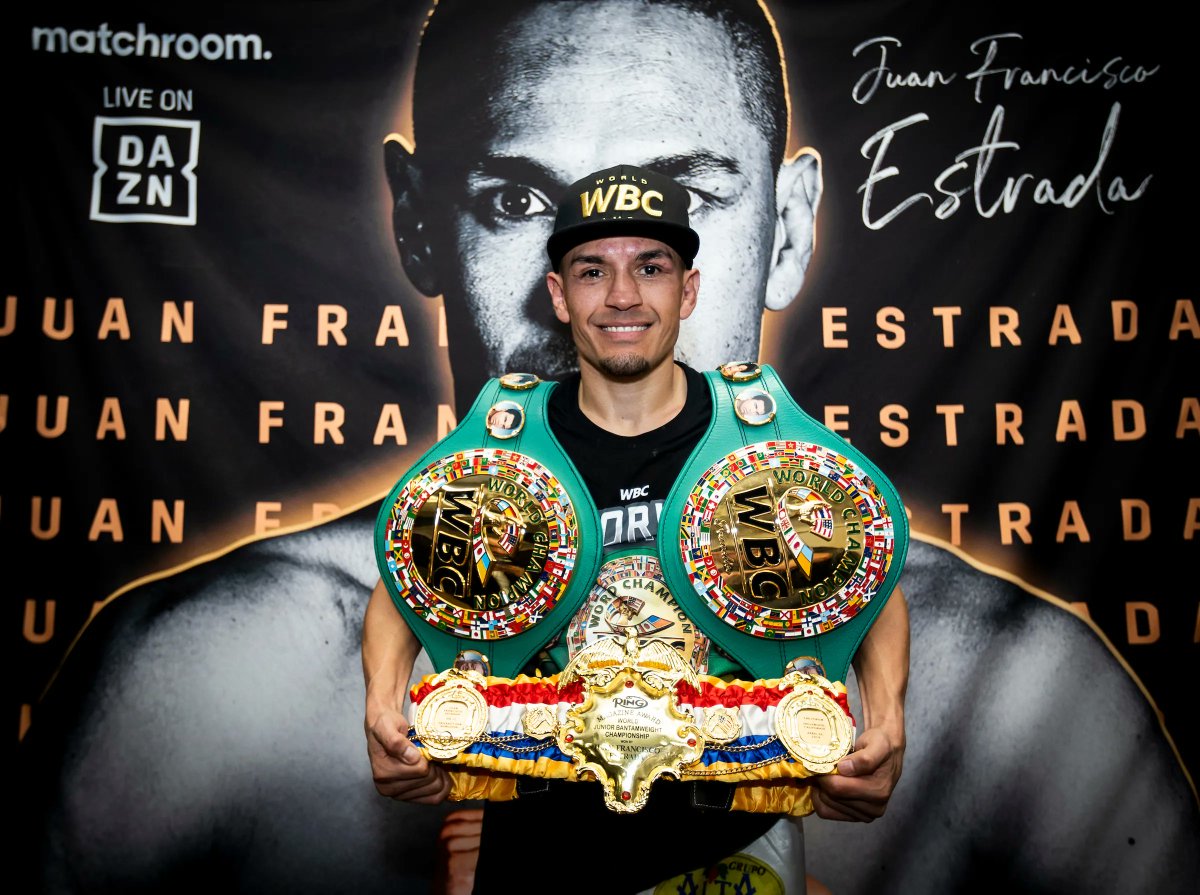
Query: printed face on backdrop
575,87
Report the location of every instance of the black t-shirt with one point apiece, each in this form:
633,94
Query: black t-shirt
629,477
559,833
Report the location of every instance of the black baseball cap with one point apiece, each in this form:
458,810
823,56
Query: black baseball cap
623,201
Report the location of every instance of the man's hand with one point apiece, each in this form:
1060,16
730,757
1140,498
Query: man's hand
860,790
399,769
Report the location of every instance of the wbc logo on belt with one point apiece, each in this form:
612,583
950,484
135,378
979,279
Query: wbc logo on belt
481,543
786,539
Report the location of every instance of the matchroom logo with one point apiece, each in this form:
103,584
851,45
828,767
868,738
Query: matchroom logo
144,170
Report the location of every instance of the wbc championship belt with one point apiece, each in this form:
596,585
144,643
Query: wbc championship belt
785,549
489,543
789,542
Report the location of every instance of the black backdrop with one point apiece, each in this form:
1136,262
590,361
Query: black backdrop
291,208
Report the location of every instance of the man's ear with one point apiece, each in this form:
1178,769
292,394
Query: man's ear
797,195
558,298
409,222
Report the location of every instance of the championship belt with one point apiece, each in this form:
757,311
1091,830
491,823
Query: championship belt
789,542
490,542
631,706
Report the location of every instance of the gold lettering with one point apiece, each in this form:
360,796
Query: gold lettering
947,313
1189,416
834,420
445,420
111,420
628,197
1014,519
331,322
41,530
597,200
3,412
264,518
1063,326
10,316
50,311
1131,429
1070,421
328,419
443,337
1124,321
267,419
274,317
1135,519
107,521
951,413
161,520
888,320
324,511
29,626
391,326
833,321
890,418
1071,523
180,324
114,319
1135,632
173,418
646,207
1184,320
390,425
1191,520
61,405
1003,322
1008,424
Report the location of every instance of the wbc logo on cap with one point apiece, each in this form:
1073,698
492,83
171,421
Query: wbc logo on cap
628,197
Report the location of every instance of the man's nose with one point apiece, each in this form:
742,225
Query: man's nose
624,292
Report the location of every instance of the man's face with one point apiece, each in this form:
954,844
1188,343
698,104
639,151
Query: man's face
624,298
583,87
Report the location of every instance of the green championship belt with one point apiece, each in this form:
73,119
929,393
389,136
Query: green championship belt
789,540
490,542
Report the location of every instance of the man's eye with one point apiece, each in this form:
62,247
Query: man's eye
695,200
517,202
651,269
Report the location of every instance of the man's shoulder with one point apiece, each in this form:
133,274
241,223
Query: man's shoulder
269,604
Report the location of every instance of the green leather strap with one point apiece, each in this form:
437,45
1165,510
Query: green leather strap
729,564
434,546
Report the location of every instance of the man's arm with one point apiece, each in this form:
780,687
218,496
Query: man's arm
389,650
866,777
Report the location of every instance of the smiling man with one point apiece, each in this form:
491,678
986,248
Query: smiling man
622,279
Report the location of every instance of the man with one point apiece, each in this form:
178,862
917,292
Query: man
217,732
623,280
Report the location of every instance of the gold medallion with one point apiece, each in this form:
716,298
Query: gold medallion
505,419
519,381
722,724
630,729
630,598
812,726
539,722
754,407
740,371
453,716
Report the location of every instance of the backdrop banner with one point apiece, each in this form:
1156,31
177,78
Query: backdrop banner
261,255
